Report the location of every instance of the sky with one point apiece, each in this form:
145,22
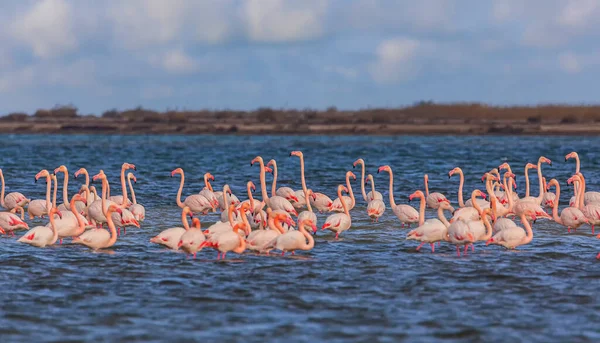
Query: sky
245,54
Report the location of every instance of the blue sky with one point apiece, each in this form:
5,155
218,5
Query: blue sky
243,54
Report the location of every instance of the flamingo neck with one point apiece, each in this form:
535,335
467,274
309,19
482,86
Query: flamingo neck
582,193
278,225
245,220
422,204
250,197
488,227
184,220
362,182
55,192
426,181
555,207
113,230
124,187
66,201
350,192
263,183
391,195
461,202
54,231
308,194
529,236
541,182
311,241
274,185
230,210
372,187
104,190
48,191
179,203
490,190
92,189
344,205
80,221
509,193
226,197
242,246
441,215
132,191
302,173
87,177
526,181
577,164
474,202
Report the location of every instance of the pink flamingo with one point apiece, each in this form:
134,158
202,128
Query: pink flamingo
514,236
538,200
405,213
294,240
196,202
321,201
372,195
336,206
40,207
192,238
590,211
275,202
432,230
122,199
100,238
571,217
375,207
138,210
284,192
170,237
13,201
434,198
41,236
339,222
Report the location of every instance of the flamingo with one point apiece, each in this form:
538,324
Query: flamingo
571,217
470,212
434,198
80,206
171,236
10,222
590,211
372,195
285,192
39,207
459,234
122,199
276,202
339,222
481,229
321,201
41,236
13,201
100,238
196,202
97,209
92,196
538,200
208,193
138,210
294,240
229,240
336,206
432,230
375,207
255,205
308,214
549,197
257,240
192,238
221,226
405,213
71,224
514,236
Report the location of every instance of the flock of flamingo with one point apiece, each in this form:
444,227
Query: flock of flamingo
268,224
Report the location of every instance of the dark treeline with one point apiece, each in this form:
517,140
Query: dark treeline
422,117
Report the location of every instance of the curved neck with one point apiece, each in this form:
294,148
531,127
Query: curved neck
426,185
362,182
124,187
2,191
274,185
422,204
230,210
93,190
113,230
263,183
582,193
226,198
509,193
250,197
489,189
577,164
278,226
474,202
372,186
555,207
245,219
440,215
350,192
461,202
66,201
488,227
54,231
529,237
526,181
184,220
311,241
80,221
344,205
132,191
87,176
179,203
391,195
541,182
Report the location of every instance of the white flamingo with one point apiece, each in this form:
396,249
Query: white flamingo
275,202
339,222
171,236
321,202
405,213
41,236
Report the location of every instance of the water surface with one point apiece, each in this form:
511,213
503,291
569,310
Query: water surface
371,285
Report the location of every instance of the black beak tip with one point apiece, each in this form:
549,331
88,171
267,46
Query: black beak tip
377,171
290,154
134,168
34,180
566,159
449,177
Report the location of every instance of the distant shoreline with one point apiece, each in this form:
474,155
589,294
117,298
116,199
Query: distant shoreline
421,119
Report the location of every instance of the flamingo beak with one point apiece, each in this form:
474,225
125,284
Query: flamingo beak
314,227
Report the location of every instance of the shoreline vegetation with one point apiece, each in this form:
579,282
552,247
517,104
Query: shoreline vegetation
422,118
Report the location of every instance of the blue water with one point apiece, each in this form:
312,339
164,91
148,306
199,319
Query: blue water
371,285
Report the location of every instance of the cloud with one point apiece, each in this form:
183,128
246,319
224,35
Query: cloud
569,62
177,61
46,28
284,21
395,59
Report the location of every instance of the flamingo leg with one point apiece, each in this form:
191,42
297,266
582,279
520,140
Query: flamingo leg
402,226
293,253
420,245
224,254
124,230
466,249
283,253
457,251
336,235
472,247
593,233
194,256
61,241
568,229
432,247
439,244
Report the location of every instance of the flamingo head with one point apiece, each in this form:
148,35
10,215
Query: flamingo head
445,204
545,160
312,194
43,173
61,169
417,194
350,174
453,171
571,155
503,166
131,176
530,166
296,153
252,186
271,162
384,168
176,171
479,193
54,211
359,161
79,197
268,170
256,159
79,172
209,177
100,176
